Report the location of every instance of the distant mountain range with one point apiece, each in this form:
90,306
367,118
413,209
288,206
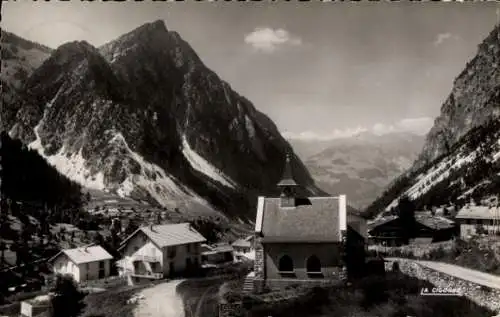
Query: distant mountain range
143,117
459,160
360,166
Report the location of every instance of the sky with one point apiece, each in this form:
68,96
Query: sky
319,70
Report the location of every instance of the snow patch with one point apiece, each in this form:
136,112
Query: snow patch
117,53
163,189
249,126
11,132
496,156
143,179
201,165
71,165
226,93
125,188
424,182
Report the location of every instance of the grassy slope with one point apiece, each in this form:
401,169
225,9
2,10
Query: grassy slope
111,303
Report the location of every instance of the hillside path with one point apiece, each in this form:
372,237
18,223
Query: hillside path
161,300
460,272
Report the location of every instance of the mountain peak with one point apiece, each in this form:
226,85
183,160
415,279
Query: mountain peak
160,24
155,26
75,46
12,38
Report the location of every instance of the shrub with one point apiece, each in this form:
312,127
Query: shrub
374,290
395,266
67,301
437,254
233,297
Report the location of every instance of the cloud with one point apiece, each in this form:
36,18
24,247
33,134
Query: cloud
442,37
267,40
419,126
336,134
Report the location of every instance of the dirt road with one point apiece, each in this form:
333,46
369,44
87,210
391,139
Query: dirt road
201,296
474,276
161,301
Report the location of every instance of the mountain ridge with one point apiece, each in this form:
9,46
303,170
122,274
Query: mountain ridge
143,116
360,166
20,58
459,160
481,72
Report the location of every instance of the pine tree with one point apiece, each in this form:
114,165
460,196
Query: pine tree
3,247
406,210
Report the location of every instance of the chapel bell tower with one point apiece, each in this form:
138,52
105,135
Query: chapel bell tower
287,186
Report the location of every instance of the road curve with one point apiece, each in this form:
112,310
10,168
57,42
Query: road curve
474,276
161,300
200,296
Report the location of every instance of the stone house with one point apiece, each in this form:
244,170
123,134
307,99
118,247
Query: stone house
301,239
158,251
83,264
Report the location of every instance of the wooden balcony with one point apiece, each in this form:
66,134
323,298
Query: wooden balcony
146,258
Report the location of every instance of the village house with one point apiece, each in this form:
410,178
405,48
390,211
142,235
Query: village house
158,251
216,255
301,239
478,219
244,245
430,228
84,263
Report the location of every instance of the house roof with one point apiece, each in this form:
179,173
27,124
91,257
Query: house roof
381,221
169,234
85,254
242,243
435,222
478,212
218,248
314,219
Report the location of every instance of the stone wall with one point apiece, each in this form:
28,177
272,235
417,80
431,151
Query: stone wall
259,268
481,295
231,310
282,284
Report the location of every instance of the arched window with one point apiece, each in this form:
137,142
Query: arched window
313,264
286,264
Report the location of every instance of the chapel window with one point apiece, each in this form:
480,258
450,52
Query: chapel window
286,264
313,264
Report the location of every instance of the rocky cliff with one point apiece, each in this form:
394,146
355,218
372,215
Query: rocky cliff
472,102
460,158
19,59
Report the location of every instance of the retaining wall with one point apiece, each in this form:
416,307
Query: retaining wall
481,295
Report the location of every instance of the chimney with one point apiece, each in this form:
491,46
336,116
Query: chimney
342,212
151,227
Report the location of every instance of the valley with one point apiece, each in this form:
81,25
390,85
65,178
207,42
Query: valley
152,172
